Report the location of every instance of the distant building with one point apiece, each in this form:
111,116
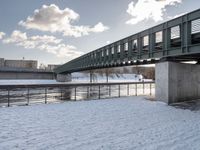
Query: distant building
51,67
25,64
1,62
28,64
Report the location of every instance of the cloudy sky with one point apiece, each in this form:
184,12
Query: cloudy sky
56,31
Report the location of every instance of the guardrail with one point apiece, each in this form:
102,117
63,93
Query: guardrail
48,93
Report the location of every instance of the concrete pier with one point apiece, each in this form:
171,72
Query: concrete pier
177,82
63,77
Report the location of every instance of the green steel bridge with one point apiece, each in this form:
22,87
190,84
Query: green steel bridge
177,39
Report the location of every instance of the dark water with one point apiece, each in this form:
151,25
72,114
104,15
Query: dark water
37,95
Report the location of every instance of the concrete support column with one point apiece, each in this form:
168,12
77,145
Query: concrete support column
64,77
177,82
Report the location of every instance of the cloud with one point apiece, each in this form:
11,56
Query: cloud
22,39
2,34
148,9
61,50
52,19
46,43
107,42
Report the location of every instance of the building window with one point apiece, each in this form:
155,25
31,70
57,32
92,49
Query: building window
102,54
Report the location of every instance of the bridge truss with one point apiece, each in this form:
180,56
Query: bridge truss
177,39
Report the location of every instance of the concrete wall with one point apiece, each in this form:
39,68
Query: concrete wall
177,82
51,67
29,75
161,80
63,77
1,62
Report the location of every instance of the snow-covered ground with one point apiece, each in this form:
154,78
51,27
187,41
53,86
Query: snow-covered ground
85,77
130,123
81,78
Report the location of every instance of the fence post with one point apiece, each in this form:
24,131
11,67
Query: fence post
99,91
128,89
8,97
109,90
45,95
88,92
28,96
150,88
143,87
61,93
75,93
136,89
119,90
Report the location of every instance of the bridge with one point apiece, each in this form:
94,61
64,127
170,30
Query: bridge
173,41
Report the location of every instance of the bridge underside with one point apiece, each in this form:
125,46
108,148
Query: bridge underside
181,58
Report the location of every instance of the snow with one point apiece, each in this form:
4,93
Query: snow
130,123
81,78
85,77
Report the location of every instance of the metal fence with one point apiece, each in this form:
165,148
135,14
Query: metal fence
52,93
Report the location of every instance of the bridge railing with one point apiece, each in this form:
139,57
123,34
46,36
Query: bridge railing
52,93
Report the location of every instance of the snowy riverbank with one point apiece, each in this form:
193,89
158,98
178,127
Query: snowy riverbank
81,78
125,123
85,77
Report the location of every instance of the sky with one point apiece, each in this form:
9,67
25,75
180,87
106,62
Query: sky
56,31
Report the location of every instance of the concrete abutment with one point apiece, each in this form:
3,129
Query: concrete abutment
177,82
